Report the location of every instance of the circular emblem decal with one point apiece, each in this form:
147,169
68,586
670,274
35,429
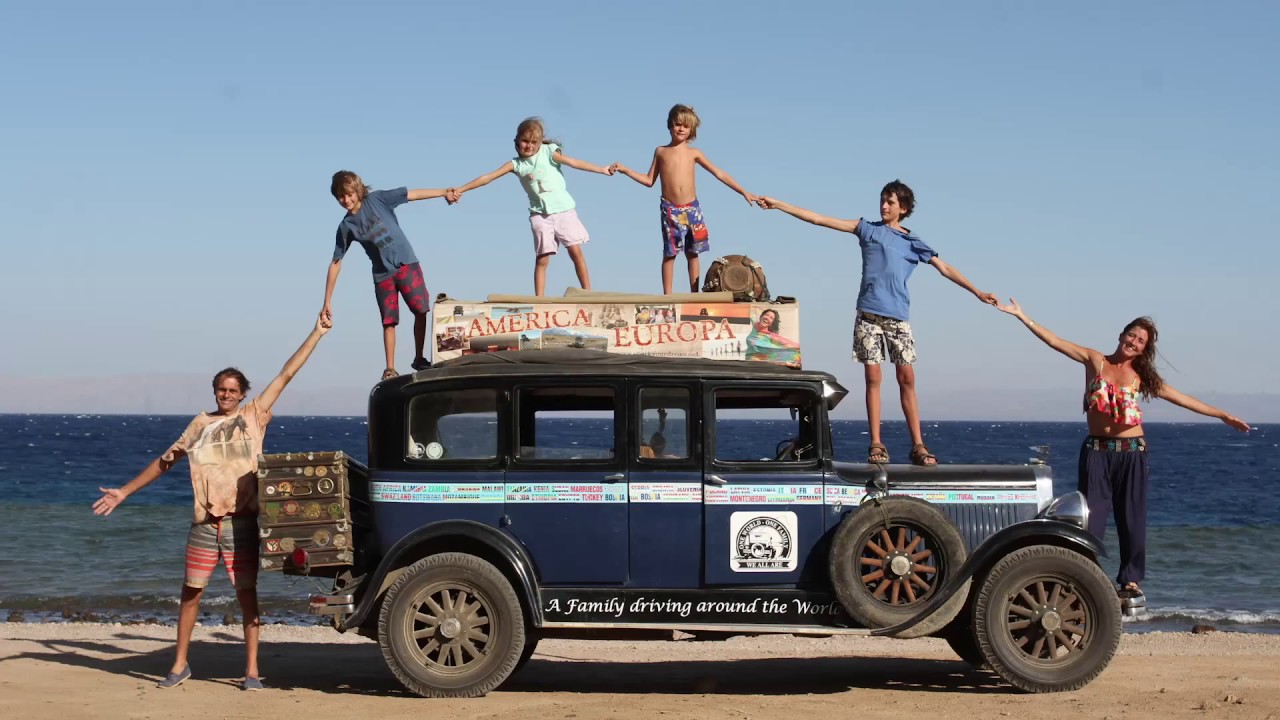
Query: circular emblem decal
308,471
762,543
321,471
286,544
291,507
270,490
312,511
340,541
321,537
435,450
325,485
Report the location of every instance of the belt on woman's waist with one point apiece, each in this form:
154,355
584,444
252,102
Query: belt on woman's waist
1128,444
215,519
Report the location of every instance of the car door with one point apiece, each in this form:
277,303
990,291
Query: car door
665,490
762,482
566,485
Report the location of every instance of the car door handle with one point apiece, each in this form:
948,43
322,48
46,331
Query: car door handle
616,477
716,480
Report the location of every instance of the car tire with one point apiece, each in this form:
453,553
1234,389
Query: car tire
1047,619
890,558
962,638
451,626
530,647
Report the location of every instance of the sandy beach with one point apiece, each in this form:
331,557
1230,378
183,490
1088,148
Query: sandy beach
81,670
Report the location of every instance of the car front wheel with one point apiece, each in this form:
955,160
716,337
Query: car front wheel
1047,619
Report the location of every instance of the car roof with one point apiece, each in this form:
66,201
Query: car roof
576,361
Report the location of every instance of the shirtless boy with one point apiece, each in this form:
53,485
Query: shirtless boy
683,228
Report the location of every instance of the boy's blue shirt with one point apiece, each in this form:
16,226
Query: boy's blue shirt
888,258
375,227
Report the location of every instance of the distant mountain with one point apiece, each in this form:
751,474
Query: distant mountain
164,394
187,394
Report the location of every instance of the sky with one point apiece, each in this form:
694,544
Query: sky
166,169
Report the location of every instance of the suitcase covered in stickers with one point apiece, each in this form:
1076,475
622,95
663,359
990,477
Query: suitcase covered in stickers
314,501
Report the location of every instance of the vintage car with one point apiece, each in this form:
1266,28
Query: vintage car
514,496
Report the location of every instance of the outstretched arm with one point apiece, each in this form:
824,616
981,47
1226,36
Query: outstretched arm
1194,405
428,194
723,177
484,179
583,165
958,278
112,497
330,282
645,180
294,364
1079,353
808,216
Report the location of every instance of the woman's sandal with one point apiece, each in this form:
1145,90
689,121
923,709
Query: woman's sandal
878,454
920,455
390,374
1130,590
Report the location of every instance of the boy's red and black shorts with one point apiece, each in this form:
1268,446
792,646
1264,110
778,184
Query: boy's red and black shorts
407,281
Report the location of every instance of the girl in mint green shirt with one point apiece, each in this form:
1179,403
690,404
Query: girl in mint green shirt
552,212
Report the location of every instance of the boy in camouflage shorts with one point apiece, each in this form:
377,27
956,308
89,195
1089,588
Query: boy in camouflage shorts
890,253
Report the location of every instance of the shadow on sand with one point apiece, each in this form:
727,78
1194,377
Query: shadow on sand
359,669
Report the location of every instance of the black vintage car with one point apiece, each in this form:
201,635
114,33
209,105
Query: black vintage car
514,496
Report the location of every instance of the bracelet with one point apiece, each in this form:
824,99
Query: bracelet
1031,323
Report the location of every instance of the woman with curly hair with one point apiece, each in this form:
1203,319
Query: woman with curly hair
1113,468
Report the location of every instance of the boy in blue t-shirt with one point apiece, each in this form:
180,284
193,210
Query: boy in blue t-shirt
371,221
890,254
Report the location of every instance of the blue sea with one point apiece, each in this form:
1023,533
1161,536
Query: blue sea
1214,514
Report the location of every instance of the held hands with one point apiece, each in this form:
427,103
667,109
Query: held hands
751,199
324,321
765,202
110,500
452,195
988,297
1013,308
609,169
617,168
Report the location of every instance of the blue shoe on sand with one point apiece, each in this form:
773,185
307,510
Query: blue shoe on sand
175,679
251,684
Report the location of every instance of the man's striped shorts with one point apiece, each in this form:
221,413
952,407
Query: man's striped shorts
233,539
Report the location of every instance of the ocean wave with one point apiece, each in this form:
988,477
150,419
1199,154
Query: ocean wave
1203,616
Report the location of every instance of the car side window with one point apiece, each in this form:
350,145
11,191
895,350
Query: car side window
787,417
453,425
566,423
664,424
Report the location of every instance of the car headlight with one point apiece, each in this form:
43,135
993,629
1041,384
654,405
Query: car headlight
1071,508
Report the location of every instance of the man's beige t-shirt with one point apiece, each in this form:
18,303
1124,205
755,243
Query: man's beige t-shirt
223,451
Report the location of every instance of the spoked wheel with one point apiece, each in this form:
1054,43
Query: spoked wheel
1047,619
451,626
888,561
